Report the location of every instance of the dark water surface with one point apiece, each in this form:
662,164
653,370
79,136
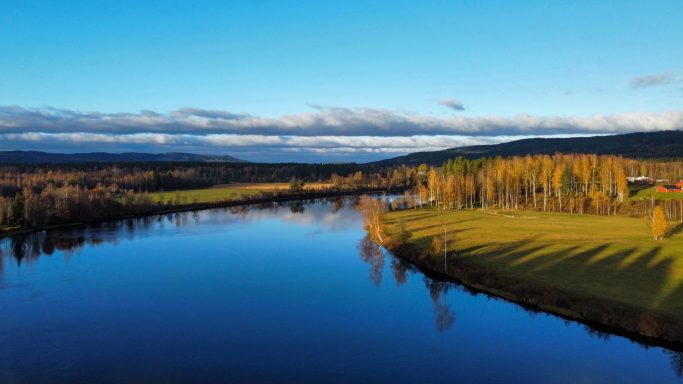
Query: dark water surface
285,293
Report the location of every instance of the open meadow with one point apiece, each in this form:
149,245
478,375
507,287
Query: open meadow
605,257
223,192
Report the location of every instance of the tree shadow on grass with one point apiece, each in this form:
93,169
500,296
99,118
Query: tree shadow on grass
675,230
638,276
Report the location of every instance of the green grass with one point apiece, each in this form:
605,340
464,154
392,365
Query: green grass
639,192
228,192
206,195
595,256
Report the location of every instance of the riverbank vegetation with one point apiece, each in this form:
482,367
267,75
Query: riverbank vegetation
575,183
33,196
578,265
561,232
36,197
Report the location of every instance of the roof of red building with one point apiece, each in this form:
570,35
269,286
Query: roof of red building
669,188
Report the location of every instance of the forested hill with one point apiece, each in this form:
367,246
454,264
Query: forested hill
36,157
662,144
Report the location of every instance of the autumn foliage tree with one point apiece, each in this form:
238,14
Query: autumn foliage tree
373,210
571,183
659,224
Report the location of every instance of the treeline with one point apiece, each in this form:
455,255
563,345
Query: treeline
33,197
151,177
575,183
69,204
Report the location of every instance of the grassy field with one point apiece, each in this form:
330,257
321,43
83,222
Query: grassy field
594,256
226,192
273,186
206,195
639,192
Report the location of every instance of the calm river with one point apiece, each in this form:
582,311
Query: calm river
278,294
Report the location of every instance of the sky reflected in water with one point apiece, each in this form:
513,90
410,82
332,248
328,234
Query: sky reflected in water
275,293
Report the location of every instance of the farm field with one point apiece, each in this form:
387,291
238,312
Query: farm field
611,257
225,192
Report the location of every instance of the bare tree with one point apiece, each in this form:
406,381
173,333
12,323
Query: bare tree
373,210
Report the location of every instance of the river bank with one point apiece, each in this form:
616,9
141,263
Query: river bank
166,209
597,270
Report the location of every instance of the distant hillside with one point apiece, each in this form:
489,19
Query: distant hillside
662,144
36,157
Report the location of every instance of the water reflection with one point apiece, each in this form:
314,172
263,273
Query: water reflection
676,362
399,269
297,207
329,215
444,318
372,254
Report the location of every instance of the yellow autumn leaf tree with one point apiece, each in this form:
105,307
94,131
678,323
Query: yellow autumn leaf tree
659,224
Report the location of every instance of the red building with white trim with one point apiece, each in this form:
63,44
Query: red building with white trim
676,188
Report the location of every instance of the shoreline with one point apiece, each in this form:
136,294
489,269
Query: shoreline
634,323
637,324
210,205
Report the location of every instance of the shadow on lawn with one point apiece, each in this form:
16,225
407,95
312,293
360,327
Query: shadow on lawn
675,230
631,275
634,288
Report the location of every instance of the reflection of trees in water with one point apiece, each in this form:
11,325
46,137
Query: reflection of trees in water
372,254
676,359
598,334
444,317
180,219
399,268
297,207
337,204
29,247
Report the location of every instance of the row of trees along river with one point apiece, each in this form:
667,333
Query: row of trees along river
34,196
575,183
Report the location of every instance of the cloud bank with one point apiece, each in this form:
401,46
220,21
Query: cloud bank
328,134
327,121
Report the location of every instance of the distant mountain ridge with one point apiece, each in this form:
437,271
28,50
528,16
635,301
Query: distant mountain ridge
661,144
38,157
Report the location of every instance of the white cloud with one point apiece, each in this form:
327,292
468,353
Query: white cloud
328,121
318,144
326,132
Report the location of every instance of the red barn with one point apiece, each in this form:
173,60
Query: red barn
669,188
679,184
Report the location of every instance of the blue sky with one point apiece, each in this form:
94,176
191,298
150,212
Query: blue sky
332,80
